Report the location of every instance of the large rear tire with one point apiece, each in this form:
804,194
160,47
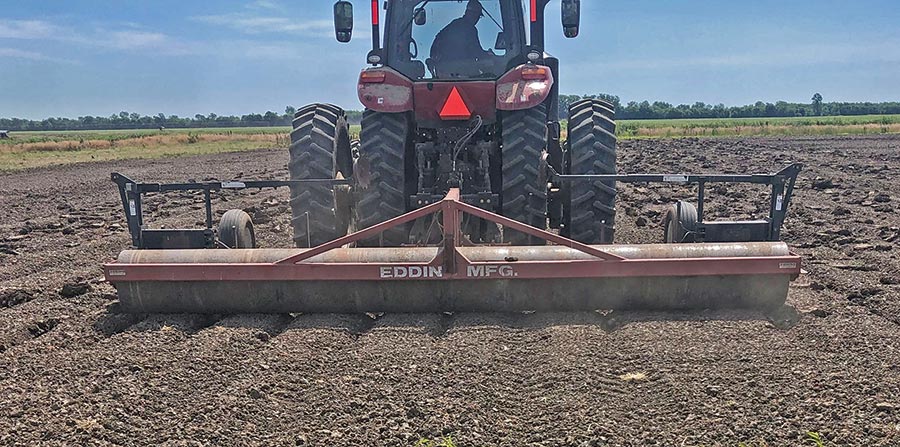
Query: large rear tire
590,207
384,139
523,196
320,149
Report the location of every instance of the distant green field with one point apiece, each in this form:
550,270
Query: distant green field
796,126
793,121
33,149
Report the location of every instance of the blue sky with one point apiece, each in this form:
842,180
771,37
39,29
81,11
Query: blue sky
98,57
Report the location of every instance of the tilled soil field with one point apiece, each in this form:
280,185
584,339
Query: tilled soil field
74,373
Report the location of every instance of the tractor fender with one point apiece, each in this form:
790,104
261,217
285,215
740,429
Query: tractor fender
383,89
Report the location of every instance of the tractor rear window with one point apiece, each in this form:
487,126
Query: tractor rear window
452,39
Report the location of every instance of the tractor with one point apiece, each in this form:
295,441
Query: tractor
443,112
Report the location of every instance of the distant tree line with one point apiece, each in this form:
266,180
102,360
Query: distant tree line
125,120
630,110
664,110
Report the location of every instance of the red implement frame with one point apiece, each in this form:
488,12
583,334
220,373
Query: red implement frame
450,264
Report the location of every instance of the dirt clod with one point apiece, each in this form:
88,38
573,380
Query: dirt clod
73,289
840,211
39,328
14,297
822,183
262,336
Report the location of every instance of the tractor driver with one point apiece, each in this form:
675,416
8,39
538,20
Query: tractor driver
458,44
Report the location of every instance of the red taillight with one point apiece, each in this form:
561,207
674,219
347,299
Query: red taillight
524,87
371,77
536,73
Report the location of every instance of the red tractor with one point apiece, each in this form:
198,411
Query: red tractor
457,96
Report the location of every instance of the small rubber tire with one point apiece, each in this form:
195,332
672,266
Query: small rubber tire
236,230
680,223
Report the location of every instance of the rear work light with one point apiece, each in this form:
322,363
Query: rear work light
535,73
371,77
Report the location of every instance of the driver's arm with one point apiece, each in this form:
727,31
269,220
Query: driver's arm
473,45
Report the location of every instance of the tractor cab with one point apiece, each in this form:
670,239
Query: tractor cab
452,60
449,39
456,39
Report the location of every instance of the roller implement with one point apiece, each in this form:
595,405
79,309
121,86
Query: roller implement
460,195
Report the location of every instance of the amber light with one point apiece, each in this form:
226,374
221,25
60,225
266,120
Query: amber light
371,77
538,73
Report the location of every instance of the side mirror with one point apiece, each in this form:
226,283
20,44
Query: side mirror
571,17
343,21
421,17
501,41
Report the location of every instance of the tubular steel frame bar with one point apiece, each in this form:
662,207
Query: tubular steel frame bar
782,183
131,193
450,264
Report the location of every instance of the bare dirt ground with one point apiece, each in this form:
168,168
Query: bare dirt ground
71,373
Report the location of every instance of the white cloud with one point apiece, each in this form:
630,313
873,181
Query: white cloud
15,53
253,24
789,55
125,37
131,40
19,54
264,4
26,29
